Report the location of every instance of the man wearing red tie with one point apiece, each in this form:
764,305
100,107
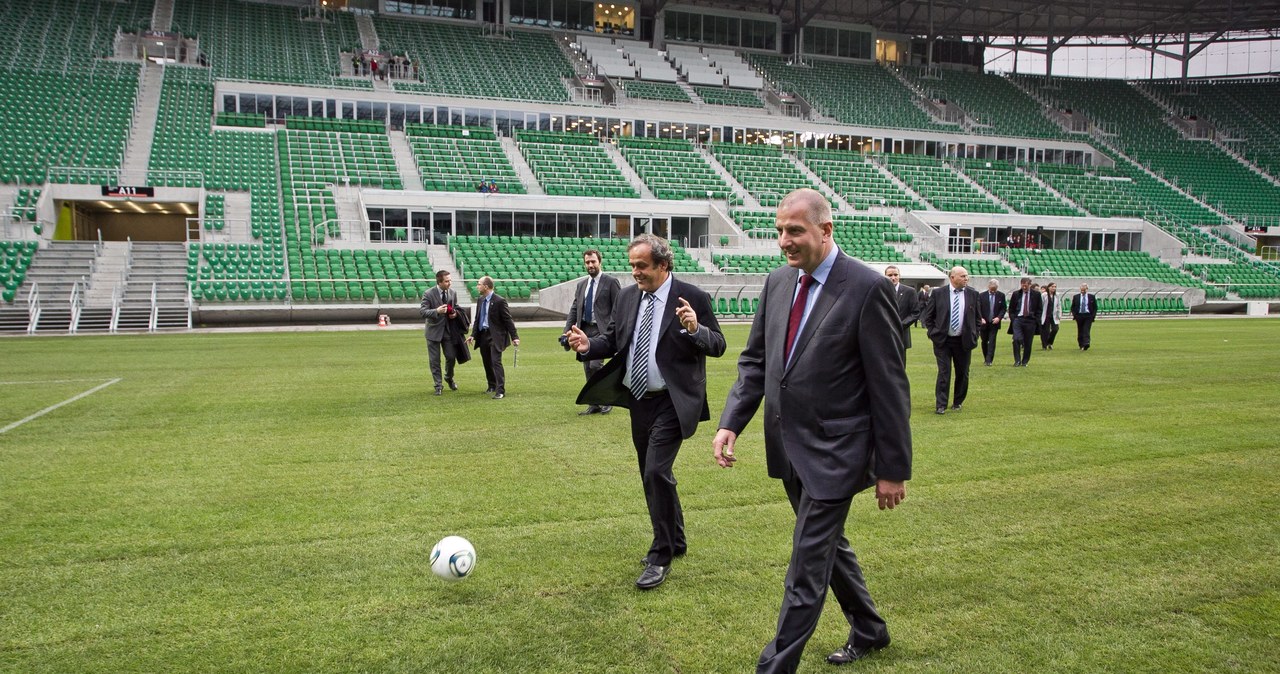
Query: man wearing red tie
1025,307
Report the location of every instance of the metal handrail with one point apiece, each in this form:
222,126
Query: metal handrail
117,298
77,307
155,311
33,308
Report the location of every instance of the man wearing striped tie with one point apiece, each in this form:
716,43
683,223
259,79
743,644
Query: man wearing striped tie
658,339
951,319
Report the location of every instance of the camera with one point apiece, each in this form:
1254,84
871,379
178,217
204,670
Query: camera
564,341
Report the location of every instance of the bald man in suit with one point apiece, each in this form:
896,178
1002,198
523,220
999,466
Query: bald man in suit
951,319
825,355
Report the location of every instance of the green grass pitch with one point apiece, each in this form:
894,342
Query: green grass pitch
263,502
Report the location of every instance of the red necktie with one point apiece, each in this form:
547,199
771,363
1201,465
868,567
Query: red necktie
797,313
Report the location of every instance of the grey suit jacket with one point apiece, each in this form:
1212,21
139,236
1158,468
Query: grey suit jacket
431,299
607,290
681,355
838,416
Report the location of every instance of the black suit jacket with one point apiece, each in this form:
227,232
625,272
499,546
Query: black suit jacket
908,311
936,316
1015,307
681,356
838,414
607,290
501,328
985,311
1075,308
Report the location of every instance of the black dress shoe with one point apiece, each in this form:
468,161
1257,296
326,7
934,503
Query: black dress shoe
940,410
438,390
652,576
590,410
499,396
452,386
850,653
605,409
488,390
955,408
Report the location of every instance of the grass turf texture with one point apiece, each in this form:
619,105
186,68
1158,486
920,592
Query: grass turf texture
267,502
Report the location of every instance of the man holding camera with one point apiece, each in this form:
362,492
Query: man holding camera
592,309
439,307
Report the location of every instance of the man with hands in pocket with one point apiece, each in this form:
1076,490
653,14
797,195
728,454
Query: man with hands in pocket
825,355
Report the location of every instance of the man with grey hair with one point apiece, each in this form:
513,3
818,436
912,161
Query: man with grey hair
1025,307
989,316
492,332
658,341
951,319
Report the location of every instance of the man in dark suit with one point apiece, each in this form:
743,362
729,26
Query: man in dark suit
950,318
662,331
592,308
989,316
492,333
439,307
825,354
1052,317
1084,308
907,303
1025,307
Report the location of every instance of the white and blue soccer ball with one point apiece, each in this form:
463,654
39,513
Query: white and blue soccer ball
453,558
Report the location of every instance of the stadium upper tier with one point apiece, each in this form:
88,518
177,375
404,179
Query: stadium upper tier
1140,129
854,93
995,106
464,61
1245,113
255,41
64,35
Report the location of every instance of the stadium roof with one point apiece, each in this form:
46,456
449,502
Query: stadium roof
1019,18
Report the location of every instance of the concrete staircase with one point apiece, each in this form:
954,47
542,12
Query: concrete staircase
162,266
630,173
521,166
162,15
690,92
368,34
748,201
405,162
142,131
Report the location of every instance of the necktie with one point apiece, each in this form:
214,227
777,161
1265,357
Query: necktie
991,310
955,313
1026,303
797,313
1084,304
484,313
640,356
588,310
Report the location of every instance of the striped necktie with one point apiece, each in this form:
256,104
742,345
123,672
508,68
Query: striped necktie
955,312
640,356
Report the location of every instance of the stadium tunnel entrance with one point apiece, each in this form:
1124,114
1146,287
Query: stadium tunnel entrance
124,219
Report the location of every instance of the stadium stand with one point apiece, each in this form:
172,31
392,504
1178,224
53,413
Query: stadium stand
856,180
1142,132
734,97
1244,114
939,184
853,93
522,265
573,164
654,91
267,43
979,268
673,169
763,170
997,107
523,65
15,258
1252,280
456,158
1101,264
1019,191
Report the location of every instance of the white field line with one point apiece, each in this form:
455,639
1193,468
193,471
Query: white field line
51,408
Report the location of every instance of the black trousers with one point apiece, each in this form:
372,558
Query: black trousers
589,367
820,558
1083,327
1048,333
990,335
655,432
951,353
491,356
1024,333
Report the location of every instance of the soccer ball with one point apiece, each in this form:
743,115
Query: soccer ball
453,558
